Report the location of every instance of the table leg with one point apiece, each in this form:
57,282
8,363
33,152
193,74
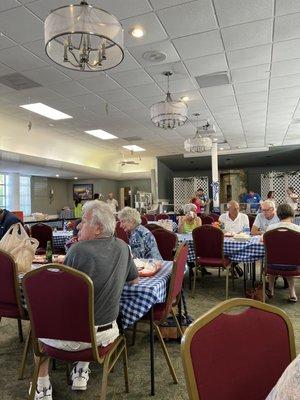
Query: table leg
245,273
253,273
152,353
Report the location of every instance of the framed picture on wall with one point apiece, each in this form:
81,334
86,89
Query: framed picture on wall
83,191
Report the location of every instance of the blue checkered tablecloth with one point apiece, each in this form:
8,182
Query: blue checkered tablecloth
137,300
248,251
60,238
297,220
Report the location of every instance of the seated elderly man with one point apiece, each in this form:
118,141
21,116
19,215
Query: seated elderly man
107,261
141,240
233,220
265,218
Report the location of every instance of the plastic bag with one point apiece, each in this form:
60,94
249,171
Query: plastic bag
20,246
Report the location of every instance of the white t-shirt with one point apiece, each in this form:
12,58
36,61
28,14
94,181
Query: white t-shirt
113,204
292,200
235,226
262,223
283,224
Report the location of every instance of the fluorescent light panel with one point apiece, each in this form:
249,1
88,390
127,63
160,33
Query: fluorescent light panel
100,134
46,111
133,147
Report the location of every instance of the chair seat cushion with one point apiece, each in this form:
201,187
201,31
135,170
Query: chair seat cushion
73,356
159,311
213,262
9,310
294,271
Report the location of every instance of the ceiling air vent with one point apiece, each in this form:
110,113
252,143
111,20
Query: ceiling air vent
18,81
215,79
132,138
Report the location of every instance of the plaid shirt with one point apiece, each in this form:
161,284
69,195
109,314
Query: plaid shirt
143,244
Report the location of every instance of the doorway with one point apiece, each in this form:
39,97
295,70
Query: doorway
125,197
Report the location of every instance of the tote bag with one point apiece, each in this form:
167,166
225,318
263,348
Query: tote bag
20,246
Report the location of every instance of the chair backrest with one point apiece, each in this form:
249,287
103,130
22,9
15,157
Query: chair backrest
251,220
43,233
261,346
282,248
152,227
166,243
10,305
161,216
214,216
60,303
144,220
120,233
176,280
208,241
206,219
150,217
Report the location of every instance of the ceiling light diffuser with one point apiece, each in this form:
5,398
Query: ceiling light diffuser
100,134
137,32
46,111
133,147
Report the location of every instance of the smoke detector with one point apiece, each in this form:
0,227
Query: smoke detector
154,56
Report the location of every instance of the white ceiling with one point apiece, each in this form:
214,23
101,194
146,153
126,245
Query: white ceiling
257,42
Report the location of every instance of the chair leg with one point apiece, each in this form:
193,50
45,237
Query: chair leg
227,279
104,379
219,274
24,355
176,322
68,373
134,334
35,377
194,281
264,287
166,354
21,338
125,366
232,276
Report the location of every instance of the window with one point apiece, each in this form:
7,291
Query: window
2,191
25,195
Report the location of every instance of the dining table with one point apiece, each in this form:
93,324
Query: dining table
60,238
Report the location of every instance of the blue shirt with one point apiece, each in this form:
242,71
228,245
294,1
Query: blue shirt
143,244
253,200
7,221
262,222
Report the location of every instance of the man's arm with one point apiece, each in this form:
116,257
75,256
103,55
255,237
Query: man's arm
255,230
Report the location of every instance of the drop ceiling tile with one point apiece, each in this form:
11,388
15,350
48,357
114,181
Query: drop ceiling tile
177,68
165,47
87,100
253,86
198,45
250,74
100,83
187,19
127,64
285,81
46,75
4,70
287,92
179,85
21,18
43,8
116,95
233,12
151,25
287,7
286,50
249,57
144,91
221,101
287,27
8,4
206,65
285,67
132,78
125,8
247,35
246,98
217,91
20,59
5,42
68,88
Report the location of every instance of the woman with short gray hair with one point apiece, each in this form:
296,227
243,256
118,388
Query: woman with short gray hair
141,240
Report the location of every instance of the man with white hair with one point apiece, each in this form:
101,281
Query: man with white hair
264,219
233,220
108,262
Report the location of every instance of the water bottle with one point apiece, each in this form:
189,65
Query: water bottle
246,230
49,252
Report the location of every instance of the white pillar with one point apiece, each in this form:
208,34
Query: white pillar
13,192
215,176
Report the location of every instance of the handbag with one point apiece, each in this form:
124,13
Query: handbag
20,246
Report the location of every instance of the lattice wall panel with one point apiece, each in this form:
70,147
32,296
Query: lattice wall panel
184,189
279,182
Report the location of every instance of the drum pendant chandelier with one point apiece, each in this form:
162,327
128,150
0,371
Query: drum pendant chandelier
84,38
169,114
199,143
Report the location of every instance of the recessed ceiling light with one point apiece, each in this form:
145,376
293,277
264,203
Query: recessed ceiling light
100,134
46,111
221,148
57,176
184,98
75,177
215,139
137,32
133,147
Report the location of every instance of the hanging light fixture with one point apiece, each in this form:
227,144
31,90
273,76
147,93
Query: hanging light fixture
169,114
199,143
84,38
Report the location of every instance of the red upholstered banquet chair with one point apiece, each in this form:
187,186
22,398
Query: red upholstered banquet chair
208,244
166,243
282,253
153,227
10,301
262,346
163,310
214,216
120,233
71,292
150,217
161,216
251,220
43,233
144,220
206,219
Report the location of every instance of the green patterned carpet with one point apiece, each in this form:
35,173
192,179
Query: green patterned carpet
208,293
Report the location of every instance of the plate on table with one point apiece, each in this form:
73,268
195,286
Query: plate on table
242,237
39,259
147,267
229,234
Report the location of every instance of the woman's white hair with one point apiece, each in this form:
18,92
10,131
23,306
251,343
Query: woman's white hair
189,207
130,214
101,214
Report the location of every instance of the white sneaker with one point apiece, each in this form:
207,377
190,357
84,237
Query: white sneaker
79,378
44,393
